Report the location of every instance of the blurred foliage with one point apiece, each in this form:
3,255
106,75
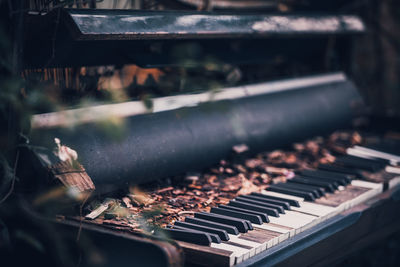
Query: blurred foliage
113,127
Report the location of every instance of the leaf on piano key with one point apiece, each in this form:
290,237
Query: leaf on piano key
99,209
231,184
127,202
247,186
340,140
139,198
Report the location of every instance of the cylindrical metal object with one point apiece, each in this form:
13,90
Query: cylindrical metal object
170,142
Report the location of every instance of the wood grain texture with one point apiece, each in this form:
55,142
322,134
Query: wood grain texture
69,176
197,254
259,235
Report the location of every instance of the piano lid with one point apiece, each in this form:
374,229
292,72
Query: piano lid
84,37
98,24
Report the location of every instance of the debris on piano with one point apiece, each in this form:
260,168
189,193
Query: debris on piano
280,193
252,201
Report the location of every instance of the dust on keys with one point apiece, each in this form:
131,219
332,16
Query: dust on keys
246,205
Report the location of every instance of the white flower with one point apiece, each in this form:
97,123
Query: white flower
65,153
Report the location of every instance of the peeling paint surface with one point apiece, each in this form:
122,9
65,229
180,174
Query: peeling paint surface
307,24
141,25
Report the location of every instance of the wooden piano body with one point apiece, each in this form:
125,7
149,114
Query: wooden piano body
325,244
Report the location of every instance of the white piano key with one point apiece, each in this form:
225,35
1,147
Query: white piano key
267,226
366,184
394,182
357,153
376,153
374,189
241,254
301,215
268,243
295,217
308,221
251,250
313,220
258,247
285,233
314,209
392,169
288,221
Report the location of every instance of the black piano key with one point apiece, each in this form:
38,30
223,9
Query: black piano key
283,204
326,185
375,161
223,235
339,169
279,208
306,195
383,162
318,189
240,224
228,228
237,214
214,237
315,192
249,225
292,202
331,182
342,179
386,146
245,205
308,190
188,236
263,216
360,163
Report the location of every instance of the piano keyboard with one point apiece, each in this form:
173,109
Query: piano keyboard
250,224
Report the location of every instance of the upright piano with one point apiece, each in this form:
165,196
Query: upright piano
279,172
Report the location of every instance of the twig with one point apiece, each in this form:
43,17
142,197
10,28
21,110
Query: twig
13,180
164,190
81,217
185,212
